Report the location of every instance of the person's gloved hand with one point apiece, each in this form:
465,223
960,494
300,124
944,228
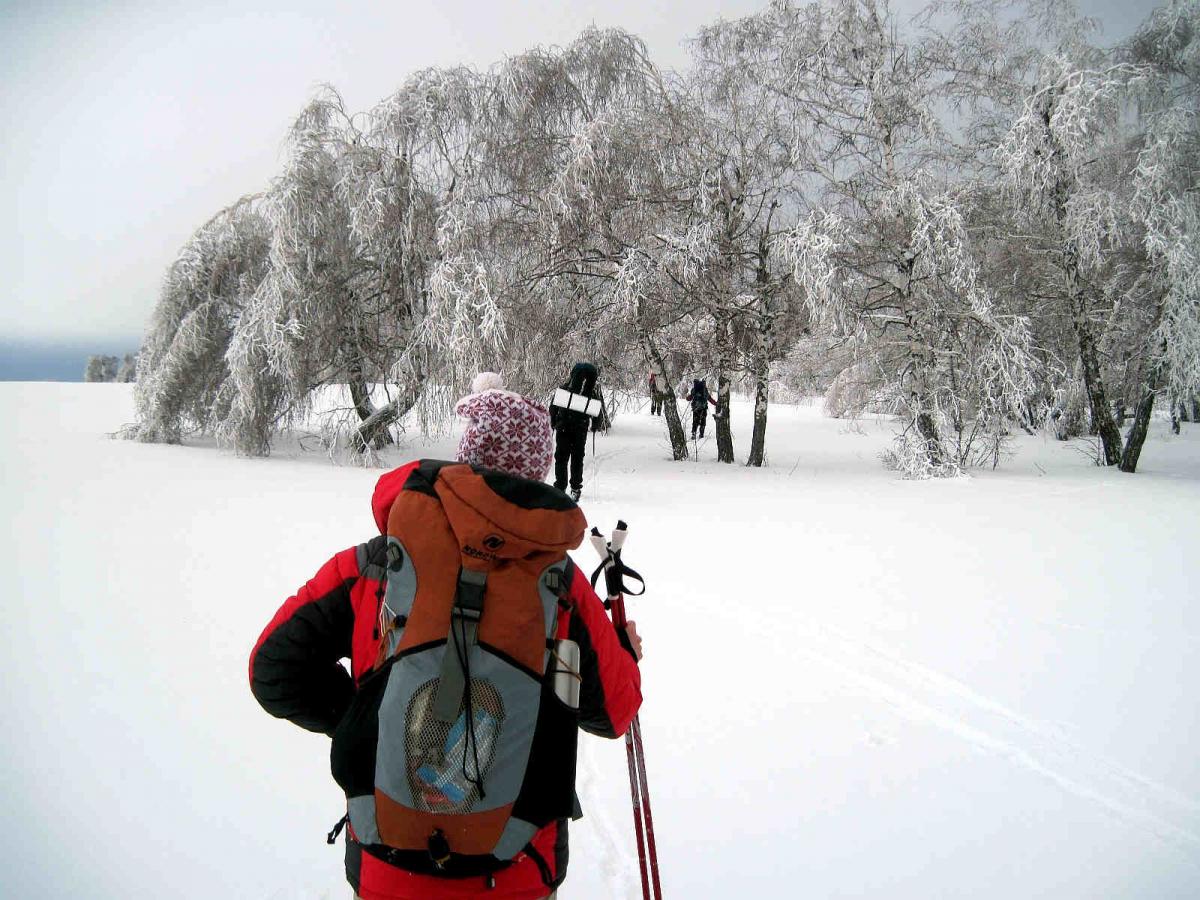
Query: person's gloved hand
635,640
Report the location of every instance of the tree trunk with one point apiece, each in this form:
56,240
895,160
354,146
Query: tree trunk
679,448
1141,421
765,335
920,404
359,393
1137,433
762,383
1120,414
376,435
758,437
927,428
1089,356
724,363
373,432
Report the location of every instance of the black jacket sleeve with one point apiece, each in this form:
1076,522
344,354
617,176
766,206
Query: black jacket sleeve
294,668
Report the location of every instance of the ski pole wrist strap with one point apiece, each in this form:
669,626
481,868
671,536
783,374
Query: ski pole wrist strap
615,572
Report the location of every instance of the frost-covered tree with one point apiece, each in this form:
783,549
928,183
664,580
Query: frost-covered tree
928,342
1060,158
353,221
610,199
1102,159
1166,205
127,373
100,368
883,258
752,188
182,362
823,181
415,243
590,199
538,110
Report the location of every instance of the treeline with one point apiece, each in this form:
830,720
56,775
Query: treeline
975,219
101,367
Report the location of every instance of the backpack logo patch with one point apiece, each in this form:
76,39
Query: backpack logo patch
474,553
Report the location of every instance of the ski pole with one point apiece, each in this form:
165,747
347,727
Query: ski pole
640,758
616,605
616,608
643,821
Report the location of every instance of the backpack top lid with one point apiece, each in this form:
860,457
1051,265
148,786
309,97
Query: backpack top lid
497,515
583,378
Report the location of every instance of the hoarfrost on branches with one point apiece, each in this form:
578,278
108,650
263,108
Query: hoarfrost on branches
973,220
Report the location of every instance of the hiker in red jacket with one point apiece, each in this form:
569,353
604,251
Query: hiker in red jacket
477,650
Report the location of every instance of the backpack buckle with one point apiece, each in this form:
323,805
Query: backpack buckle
468,601
438,848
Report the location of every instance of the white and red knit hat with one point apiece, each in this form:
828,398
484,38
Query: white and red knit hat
506,431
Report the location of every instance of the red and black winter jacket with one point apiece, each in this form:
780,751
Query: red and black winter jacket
295,674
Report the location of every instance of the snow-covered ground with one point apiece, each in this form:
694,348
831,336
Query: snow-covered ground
855,686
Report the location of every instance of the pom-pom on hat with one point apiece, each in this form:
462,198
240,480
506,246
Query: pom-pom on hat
505,431
486,381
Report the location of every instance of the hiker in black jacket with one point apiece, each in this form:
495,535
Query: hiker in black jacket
699,397
571,426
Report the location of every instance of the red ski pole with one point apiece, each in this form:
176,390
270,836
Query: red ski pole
635,771
643,821
640,755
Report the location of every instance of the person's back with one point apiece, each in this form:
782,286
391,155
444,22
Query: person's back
582,382
455,753
571,427
700,398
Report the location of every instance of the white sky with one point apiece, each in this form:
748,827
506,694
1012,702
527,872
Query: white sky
127,124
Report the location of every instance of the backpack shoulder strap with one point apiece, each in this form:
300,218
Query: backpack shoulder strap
558,579
372,558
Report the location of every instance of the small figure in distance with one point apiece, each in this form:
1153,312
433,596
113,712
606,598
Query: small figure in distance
699,397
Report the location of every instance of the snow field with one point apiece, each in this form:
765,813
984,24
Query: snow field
855,686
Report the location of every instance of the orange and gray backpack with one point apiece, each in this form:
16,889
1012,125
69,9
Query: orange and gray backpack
456,749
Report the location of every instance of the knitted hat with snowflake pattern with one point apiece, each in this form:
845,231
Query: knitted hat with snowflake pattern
506,431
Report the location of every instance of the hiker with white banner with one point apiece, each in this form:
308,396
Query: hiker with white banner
577,406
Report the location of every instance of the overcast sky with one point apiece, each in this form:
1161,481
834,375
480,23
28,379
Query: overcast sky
127,125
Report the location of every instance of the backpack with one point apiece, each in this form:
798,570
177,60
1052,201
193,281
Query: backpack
456,749
576,404
699,395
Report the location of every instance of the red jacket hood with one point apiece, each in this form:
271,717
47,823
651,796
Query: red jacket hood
387,489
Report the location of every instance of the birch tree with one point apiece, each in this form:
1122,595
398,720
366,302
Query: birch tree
1166,206
884,258
753,190
1103,154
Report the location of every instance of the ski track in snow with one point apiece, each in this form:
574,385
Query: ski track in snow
615,864
925,695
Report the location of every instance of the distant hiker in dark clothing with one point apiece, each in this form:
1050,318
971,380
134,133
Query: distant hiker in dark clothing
656,396
699,397
576,407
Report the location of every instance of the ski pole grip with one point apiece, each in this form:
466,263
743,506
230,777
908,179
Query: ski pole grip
600,544
619,534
